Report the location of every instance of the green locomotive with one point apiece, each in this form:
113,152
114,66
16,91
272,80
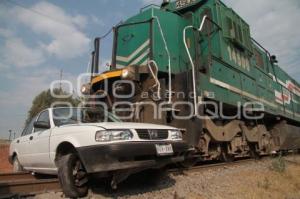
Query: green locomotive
195,59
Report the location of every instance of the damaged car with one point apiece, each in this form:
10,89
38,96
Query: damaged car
77,143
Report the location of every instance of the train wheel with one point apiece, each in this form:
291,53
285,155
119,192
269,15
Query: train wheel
225,156
253,152
189,160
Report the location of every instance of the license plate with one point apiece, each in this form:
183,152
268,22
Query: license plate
164,149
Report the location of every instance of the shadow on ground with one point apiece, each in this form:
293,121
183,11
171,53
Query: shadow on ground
140,183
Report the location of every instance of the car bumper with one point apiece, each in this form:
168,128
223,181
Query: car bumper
130,155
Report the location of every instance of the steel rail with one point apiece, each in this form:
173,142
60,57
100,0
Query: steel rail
211,166
16,176
24,184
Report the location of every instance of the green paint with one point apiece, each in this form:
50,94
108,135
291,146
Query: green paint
241,69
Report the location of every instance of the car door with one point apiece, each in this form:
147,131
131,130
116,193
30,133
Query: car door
39,144
22,144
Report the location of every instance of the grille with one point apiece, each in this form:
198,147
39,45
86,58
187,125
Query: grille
152,134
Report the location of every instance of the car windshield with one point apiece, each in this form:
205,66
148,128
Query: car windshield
65,116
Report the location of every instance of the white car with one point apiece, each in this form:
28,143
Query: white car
74,143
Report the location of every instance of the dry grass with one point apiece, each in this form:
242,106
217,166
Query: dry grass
268,184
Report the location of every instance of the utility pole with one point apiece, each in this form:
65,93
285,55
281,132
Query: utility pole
60,80
9,134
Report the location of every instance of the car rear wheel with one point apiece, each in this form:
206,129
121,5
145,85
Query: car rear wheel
72,176
17,167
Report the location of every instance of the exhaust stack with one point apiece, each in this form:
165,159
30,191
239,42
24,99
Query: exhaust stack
93,63
96,56
165,2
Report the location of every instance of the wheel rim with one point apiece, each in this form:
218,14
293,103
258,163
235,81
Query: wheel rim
79,175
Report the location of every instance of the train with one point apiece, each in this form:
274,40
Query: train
193,64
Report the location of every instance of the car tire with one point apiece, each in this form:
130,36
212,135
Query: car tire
17,167
72,176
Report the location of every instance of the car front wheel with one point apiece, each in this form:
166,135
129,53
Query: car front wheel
72,176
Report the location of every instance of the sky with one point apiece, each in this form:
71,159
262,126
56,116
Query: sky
38,39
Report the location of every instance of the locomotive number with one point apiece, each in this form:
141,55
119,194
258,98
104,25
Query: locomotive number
238,58
183,3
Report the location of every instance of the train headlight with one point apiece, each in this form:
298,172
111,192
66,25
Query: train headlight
175,134
113,135
125,73
128,73
85,89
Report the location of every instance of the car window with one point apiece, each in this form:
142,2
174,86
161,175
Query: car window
43,117
28,129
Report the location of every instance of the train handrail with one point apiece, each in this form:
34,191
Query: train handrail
169,56
155,76
191,59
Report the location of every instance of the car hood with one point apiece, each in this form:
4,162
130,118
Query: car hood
124,125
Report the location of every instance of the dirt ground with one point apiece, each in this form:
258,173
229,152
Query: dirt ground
272,178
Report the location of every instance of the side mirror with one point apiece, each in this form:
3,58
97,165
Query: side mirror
41,125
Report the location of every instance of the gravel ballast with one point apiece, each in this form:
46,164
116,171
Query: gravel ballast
257,179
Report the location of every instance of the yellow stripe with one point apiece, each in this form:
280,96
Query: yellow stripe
107,75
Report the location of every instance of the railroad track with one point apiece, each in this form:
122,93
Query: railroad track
210,166
25,184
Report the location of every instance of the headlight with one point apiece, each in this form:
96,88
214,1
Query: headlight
113,135
125,73
85,89
176,134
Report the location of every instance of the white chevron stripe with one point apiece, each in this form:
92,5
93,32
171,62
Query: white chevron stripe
130,57
145,62
137,60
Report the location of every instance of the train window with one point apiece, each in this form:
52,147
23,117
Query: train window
247,39
259,59
240,35
207,29
231,32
